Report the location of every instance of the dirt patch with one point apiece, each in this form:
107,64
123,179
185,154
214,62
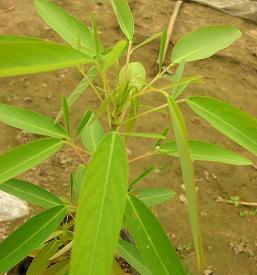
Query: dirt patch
230,240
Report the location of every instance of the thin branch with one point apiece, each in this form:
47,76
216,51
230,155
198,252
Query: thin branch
244,203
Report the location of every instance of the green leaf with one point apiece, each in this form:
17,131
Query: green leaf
187,168
136,75
130,253
26,156
68,27
29,236
30,193
66,115
114,54
30,121
148,40
232,122
60,268
143,135
142,176
91,135
79,90
41,260
100,209
79,179
23,55
151,240
134,106
154,196
162,48
85,120
124,16
177,77
206,152
204,42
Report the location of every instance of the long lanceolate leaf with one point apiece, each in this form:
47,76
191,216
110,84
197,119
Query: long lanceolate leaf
27,156
100,209
24,55
68,27
30,121
30,193
232,122
124,16
206,152
151,240
29,236
203,43
188,175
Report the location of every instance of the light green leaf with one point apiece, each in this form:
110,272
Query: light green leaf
143,135
151,240
91,135
114,54
162,48
30,193
187,168
206,152
29,236
148,40
68,27
124,16
79,90
204,42
85,120
136,75
26,156
100,209
232,122
177,77
41,260
60,268
154,196
116,269
22,55
130,253
79,179
66,115
30,121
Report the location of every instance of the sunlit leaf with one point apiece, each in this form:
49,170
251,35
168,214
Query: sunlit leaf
30,121
154,196
68,27
100,209
66,115
124,16
79,179
187,168
232,122
26,156
31,193
204,42
23,55
85,120
29,236
151,240
206,152
177,77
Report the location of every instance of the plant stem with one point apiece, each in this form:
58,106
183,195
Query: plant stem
244,203
148,154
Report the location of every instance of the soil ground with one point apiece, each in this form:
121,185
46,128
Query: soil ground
230,240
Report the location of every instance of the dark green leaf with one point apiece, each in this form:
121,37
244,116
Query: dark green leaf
100,209
151,240
26,156
29,236
30,193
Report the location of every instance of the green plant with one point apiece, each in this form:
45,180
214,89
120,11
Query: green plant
80,234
